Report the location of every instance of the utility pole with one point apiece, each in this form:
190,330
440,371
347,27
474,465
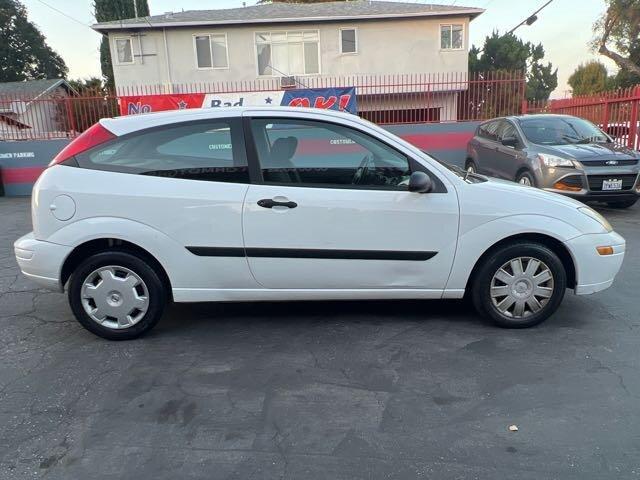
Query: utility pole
135,8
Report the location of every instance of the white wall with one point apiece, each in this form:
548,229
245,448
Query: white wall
384,47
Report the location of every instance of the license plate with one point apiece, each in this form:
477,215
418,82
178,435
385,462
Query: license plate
612,184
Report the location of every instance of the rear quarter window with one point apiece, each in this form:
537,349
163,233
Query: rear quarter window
210,151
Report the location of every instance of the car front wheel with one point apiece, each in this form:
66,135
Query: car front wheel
525,178
471,167
520,285
117,295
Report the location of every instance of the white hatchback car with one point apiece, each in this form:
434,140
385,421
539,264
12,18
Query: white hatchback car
256,204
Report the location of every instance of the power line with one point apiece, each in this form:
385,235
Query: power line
530,19
64,14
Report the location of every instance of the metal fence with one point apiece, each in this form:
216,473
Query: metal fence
383,99
616,112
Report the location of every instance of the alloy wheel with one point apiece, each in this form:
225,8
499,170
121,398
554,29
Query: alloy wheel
524,180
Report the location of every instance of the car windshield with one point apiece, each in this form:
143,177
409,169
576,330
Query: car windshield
561,131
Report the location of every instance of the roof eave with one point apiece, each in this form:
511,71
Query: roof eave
143,24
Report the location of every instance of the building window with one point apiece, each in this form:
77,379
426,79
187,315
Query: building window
211,50
451,37
124,50
348,40
288,53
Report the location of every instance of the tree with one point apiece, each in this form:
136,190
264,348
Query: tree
590,78
508,53
618,34
109,10
24,53
92,103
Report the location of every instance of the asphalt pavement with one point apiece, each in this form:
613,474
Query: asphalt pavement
322,390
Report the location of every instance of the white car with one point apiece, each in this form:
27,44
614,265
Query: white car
257,204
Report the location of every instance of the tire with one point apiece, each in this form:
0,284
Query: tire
622,204
123,282
520,289
525,178
470,166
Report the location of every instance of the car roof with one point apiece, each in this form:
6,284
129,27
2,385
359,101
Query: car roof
131,123
537,116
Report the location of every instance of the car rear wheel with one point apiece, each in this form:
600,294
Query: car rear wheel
525,178
624,204
470,166
117,295
519,285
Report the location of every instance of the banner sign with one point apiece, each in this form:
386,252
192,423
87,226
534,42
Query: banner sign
134,105
343,99
328,98
243,99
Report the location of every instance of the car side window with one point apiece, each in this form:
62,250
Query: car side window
488,130
305,152
508,130
209,151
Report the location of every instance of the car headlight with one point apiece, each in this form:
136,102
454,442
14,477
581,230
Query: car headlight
553,161
590,212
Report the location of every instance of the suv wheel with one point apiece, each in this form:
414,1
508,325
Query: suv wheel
525,178
623,204
116,295
470,166
520,285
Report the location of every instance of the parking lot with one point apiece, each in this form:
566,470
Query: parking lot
331,390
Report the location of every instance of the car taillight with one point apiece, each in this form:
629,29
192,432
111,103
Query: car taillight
90,138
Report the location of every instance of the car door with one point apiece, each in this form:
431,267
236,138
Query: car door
329,209
506,159
487,142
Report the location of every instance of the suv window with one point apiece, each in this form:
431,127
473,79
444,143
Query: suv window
210,151
507,129
307,152
489,130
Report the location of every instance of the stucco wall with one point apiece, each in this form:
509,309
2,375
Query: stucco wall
384,47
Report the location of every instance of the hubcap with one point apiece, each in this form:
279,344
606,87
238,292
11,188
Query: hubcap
115,297
521,287
525,181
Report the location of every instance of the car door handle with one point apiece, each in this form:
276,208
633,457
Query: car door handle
270,203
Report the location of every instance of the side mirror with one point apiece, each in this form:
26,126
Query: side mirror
510,142
420,182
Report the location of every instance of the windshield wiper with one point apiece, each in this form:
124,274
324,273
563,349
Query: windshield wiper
579,141
585,141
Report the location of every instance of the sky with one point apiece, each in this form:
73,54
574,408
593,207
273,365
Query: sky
564,28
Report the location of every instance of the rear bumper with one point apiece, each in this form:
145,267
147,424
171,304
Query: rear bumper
41,261
595,272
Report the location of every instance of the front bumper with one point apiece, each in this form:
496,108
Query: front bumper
588,183
595,272
41,261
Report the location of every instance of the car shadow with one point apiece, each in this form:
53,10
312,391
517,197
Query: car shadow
203,315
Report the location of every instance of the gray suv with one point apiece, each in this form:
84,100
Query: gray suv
559,153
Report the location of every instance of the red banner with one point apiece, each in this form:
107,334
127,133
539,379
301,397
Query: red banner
133,105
